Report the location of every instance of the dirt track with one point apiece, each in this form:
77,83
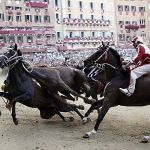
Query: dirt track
121,129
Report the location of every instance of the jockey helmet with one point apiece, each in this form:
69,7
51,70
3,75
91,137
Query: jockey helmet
137,39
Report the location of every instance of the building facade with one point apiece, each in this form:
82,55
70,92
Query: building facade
28,23
82,24
131,20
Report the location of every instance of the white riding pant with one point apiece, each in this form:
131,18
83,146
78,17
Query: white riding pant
137,73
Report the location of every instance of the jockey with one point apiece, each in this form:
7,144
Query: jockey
142,62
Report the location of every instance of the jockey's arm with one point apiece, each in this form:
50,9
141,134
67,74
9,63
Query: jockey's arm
138,57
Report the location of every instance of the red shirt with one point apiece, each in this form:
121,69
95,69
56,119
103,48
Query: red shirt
143,56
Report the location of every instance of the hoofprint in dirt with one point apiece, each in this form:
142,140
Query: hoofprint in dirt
122,129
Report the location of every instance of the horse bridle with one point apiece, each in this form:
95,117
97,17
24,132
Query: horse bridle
104,54
12,58
104,64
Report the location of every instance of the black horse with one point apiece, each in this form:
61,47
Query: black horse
20,87
116,77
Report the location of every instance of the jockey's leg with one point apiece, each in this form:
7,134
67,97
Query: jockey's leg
137,73
133,78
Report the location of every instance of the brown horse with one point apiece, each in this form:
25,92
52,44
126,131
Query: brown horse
116,77
62,79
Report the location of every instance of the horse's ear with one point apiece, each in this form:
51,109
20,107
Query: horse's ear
15,47
103,44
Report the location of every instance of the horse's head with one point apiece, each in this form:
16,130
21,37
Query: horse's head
10,57
104,54
100,54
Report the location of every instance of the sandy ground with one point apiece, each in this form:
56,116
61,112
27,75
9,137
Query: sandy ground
121,129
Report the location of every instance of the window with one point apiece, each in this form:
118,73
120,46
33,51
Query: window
102,6
37,18
19,39
80,5
121,22
92,17
57,16
133,8
70,34
28,18
93,34
11,39
9,7
47,19
91,5
69,16
81,16
141,9
69,3
127,22
9,18
46,1
120,8
1,17
29,39
121,37
58,35
126,8
18,18
18,8
82,34
56,2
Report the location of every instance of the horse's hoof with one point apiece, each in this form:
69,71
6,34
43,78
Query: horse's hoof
144,140
81,107
86,136
68,119
71,119
16,122
85,120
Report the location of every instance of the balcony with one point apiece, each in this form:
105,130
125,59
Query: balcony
143,26
37,4
132,27
10,12
86,22
39,42
18,12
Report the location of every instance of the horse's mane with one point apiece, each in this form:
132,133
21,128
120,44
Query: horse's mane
116,54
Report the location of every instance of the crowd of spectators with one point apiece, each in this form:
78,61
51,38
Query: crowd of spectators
70,58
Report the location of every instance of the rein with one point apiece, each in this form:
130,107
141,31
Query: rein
28,69
104,53
103,64
16,59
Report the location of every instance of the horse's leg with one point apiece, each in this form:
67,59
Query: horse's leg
15,120
93,106
67,96
67,88
106,105
66,119
77,111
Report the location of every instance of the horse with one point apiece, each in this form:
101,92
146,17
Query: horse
116,77
96,79
20,87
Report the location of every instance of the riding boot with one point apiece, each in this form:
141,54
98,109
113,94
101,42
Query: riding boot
130,90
